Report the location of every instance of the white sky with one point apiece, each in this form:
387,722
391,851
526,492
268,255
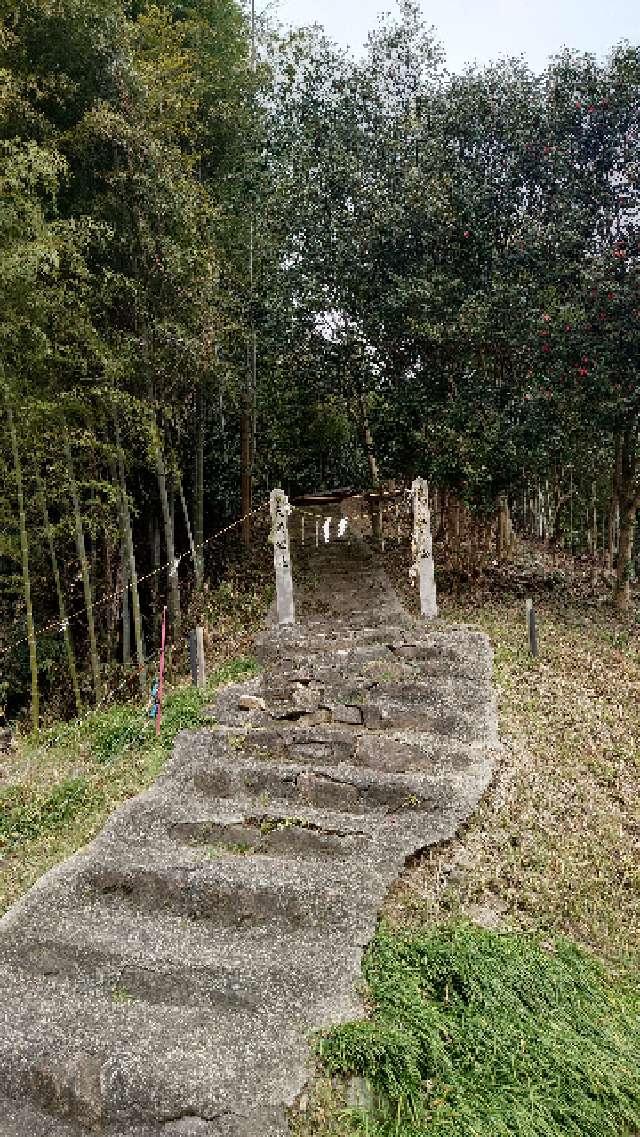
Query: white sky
483,29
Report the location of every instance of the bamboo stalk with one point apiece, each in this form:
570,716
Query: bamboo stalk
71,659
24,548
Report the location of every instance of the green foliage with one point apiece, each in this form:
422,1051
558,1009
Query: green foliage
114,731
475,1033
25,815
105,738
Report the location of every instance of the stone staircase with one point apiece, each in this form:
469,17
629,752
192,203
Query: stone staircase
164,981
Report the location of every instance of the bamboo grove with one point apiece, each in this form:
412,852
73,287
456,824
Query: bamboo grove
218,276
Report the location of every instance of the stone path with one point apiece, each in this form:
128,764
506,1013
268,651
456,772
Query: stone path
165,980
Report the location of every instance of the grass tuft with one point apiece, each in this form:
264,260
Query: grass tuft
480,1034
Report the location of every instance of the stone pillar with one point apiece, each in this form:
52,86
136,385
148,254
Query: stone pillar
280,510
422,548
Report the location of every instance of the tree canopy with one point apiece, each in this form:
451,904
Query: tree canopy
363,269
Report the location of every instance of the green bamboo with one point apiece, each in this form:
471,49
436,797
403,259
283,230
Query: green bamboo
71,659
24,547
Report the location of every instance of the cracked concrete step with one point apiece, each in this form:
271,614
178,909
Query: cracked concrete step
156,819
387,839
356,620
164,981
87,1060
389,751
258,837
410,657
228,892
452,708
174,962
292,643
460,657
26,1120
348,788
441,704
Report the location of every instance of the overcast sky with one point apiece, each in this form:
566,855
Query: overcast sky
483,29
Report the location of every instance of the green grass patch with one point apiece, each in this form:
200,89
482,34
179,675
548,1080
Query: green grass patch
480,1034
68,781
24,815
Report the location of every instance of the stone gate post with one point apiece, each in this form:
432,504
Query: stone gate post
422,548
280,510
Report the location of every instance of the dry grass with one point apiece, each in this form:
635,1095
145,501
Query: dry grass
555,846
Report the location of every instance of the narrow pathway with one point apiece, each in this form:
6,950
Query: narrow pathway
164,981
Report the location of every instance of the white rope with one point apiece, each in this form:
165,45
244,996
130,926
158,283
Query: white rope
172,566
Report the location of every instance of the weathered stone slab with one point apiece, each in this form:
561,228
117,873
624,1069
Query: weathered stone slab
164,981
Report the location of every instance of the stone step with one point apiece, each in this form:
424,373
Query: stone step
389,751
297,642
349,788
326,744
265,837
229,892
409,657
85,1059
19,1120
356,621
175,962
289,697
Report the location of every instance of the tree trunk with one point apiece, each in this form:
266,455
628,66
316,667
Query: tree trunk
84,567
156,550
594,536
501,528
126,614
246,467
187,522
614,510
369,447
628,496
131,561
174,581
625,550
24,548
199,503
68,643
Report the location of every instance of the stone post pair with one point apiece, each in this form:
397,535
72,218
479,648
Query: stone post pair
421,548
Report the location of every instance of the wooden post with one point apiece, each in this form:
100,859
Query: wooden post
422,548
280,510
196,655
531,628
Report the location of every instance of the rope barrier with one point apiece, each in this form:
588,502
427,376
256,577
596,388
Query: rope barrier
61,625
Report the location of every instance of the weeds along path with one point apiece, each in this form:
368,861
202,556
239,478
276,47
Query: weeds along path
164,981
